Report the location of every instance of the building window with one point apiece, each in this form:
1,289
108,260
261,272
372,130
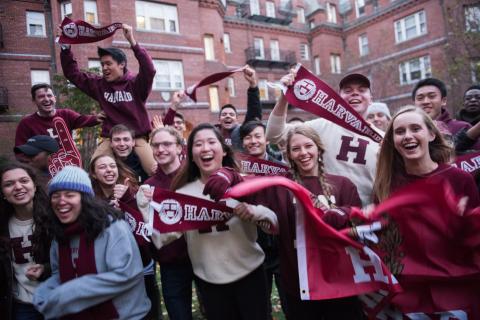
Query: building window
226,43
214,100
36,24
270,9
311,23
94,65
472,18
300,15
410,27
335,64
40,76
254,7
331,13
258,46
475,71
263,89
156,17
66,9
169,75
414,70
360,7
90,8
231,86
316,64
363,44
274,50
304,54
209,47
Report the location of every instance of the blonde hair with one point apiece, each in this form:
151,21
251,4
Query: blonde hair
390,163
312,135
172,131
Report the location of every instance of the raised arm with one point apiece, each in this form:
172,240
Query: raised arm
254,106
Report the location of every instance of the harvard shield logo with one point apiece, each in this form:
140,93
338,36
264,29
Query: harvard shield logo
170,211
70,30
304,89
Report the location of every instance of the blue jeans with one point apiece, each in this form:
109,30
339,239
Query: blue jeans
25,311
177,290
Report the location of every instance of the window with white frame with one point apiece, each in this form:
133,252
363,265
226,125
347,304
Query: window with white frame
316,65
331,13
258,46
66,9
414,70
274,50
300,15
214,100
226,43
157,17
270,9
472,18
263,89
360,7
363,44
36,24
95,64
311,23
475,71
169,75
254,7
209,47
304,54
335,64
40,76
410,27
231,86
90,9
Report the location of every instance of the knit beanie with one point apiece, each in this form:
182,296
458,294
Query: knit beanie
379,107
71,178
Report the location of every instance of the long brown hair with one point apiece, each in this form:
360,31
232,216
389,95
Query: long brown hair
312,135
189,171
390,163
123,173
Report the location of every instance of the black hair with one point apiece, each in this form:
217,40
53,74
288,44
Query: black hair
430,82
249,126
116,54
35,87
179,115
189,171
231,106
472,87
96,216
41,237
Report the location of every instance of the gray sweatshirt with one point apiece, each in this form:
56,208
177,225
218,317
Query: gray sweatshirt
119,277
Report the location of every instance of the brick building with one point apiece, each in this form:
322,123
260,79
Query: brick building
394,42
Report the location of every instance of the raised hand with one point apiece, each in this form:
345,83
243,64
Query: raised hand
68,154
250,75
119,189
128,33
157,122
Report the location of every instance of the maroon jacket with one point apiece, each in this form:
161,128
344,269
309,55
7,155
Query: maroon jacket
175,252
453,125
33,124
124,100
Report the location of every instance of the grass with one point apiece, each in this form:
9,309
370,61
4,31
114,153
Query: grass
277,313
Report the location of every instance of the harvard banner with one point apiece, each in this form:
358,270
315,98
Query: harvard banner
260,167
192,90
469,162
315,96
79,31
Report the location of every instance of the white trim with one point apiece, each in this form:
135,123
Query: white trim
397,97
300,245
163,47
25,55
398,54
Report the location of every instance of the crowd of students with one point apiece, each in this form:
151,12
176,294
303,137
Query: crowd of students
68,251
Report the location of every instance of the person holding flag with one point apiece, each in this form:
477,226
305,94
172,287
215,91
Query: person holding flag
347,152
121,94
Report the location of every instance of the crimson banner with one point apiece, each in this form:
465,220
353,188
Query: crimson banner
260,167
79,31
469,162
315,96
192,90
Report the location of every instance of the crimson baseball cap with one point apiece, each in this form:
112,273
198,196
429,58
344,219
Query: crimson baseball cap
354,78
37,144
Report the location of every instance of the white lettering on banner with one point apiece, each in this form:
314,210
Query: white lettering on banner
469,165
51,134
359,266
118,96
444,315
262,168
170,212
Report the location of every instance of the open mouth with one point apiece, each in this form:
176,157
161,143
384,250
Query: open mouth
19,195
354,101
410,146
109,177
207,159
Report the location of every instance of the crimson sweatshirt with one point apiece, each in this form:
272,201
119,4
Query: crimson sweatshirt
34,124
124,100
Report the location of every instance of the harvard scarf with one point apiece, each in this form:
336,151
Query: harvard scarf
79,31
83,265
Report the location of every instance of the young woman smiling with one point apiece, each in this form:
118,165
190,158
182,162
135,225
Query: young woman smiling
413,148
227,262
96,265
24,240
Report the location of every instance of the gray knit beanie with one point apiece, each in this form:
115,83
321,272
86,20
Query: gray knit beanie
71,178
379,107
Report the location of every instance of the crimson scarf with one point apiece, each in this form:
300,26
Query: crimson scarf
84,264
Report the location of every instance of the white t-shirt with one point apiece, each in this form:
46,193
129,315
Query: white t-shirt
21,242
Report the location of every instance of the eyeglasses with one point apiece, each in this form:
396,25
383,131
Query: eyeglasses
165,144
